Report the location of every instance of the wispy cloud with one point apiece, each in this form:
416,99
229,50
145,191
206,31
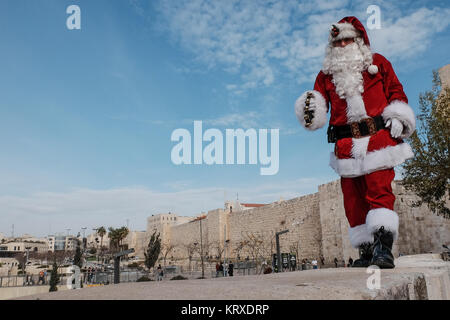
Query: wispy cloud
262,41
87,207
250,119
409,35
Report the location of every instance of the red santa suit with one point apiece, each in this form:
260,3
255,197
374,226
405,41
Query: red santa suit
365,164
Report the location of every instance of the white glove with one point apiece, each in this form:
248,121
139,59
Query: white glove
396,127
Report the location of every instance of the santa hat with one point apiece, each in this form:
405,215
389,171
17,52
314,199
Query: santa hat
351,27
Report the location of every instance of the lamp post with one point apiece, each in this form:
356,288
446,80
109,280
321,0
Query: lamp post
96,241
201,249
84,237
277,237
225,271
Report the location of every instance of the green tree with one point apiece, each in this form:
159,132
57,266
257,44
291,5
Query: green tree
78,257
54,278
116,236
153,250
123,233
428,173
113,236
101,232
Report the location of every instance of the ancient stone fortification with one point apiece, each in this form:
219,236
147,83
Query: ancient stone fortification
317,227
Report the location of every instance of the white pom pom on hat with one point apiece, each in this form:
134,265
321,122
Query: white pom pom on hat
373,69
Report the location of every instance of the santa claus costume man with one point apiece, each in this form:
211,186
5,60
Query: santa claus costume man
370,117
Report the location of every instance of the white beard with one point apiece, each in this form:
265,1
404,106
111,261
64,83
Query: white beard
346,66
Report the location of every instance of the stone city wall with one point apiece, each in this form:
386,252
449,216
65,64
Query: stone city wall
317,227
299,215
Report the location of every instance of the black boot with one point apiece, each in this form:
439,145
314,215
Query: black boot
382,255
365,256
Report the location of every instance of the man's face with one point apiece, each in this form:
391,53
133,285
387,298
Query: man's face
343,42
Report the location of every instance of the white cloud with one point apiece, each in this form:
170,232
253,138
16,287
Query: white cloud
264,41
91,208
237,120
410,35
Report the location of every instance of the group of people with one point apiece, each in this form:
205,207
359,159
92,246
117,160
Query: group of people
313,263
89,274
349,264
29,279
220,269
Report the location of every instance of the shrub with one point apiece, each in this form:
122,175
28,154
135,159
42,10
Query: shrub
143,278
179,277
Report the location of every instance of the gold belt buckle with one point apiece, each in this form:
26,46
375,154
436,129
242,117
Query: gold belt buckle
355,130
371,126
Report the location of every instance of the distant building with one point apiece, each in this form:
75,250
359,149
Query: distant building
162,223
61,243
9,249
138,240
444,74
236,206
95,241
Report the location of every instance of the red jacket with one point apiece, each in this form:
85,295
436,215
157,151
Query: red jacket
383,95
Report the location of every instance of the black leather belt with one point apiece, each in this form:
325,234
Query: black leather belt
365,127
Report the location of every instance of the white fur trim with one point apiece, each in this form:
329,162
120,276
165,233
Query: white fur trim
385,158
318,104
356,111
382,217
359,235
373,69
403,112
359,147
346,30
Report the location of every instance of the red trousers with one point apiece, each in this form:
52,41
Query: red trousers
365,193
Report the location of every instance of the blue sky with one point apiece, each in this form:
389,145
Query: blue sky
86,115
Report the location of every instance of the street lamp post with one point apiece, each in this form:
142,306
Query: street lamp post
201,248
84,237
277,237
225,271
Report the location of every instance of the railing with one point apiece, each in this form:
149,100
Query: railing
243,268
29,280
98,277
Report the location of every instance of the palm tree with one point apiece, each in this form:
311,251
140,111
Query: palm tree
123,233
101,232
113,236
117,235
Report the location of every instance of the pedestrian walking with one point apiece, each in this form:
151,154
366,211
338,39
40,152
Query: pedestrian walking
230,269
217,269
160,273
41,277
